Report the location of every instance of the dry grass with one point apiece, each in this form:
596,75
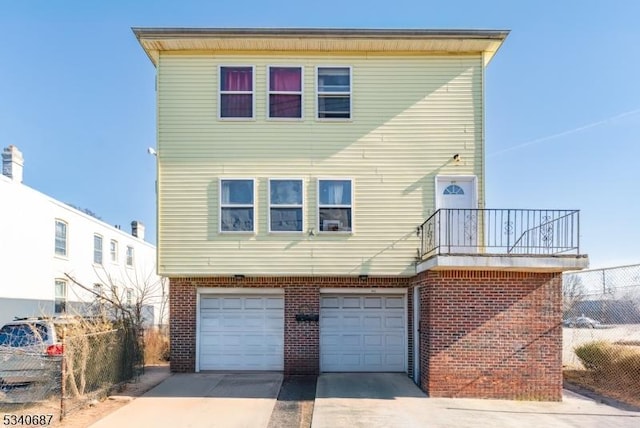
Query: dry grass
621,388
156,346
612,370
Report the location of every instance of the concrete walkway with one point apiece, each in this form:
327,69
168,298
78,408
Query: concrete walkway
202,400
345,400
387,400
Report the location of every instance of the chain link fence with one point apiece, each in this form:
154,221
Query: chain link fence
52,367
601,327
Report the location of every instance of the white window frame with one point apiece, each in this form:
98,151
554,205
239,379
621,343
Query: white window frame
350,94
66,238
221,205
300,206
129,296
130,256
270,92
252,92
352,206
113,251
56,297
95,249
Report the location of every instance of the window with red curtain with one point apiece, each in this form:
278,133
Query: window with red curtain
236,92
285,92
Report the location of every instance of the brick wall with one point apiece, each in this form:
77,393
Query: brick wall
301,339
491,334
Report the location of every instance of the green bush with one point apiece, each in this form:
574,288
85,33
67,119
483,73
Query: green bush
598,355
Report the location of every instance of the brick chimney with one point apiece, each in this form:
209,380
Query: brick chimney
137,229
12,163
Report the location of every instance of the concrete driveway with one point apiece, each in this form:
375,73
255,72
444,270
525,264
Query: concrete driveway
344,400
388,400
202,400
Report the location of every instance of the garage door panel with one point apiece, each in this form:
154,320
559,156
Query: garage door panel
274,303
362,333
231,303
394,302
351,302
394,321
372,322
241,333
373,302
373,340
394,340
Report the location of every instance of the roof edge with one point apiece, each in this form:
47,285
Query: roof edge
183,32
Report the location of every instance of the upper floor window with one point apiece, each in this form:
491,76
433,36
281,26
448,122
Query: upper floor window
60,296
335,205
285,205
113,251
61,238
130,256
129,296
236,92
334,92
236,205
285,92
97,249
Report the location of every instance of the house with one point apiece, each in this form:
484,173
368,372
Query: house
48,246
321,209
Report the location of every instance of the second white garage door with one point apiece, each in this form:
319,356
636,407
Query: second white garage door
362,333
241,332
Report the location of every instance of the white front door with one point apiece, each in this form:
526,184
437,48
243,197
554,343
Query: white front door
241,332
362,333
456,230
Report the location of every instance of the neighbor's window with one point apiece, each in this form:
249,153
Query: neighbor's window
334,92
61,238
97,289
285,92
97,249
129,296
113,250
236,92
129,256
334,205
285,205
236,205
60,301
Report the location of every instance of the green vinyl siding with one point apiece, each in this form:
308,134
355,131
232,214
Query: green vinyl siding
410,115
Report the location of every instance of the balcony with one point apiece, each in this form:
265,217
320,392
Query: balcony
501,238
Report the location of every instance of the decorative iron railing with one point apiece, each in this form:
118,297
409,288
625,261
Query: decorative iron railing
500,232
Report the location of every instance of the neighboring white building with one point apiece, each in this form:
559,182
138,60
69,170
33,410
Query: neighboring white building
43,240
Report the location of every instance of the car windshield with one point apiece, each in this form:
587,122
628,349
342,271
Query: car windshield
20,335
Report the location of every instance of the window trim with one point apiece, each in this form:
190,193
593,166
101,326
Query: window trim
252,206
352,206
350,93
66,238
64,298
301,205
270,92
101,262
116,252
252,93
133,256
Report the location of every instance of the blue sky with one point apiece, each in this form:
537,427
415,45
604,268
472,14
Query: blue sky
562,106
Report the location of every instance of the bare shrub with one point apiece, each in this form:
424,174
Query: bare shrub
156,346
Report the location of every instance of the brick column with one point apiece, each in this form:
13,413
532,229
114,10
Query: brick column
301,338
182,326
492,335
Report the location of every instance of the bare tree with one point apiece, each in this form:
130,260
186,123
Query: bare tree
573,292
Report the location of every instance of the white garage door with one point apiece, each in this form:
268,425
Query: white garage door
362,333
241,332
